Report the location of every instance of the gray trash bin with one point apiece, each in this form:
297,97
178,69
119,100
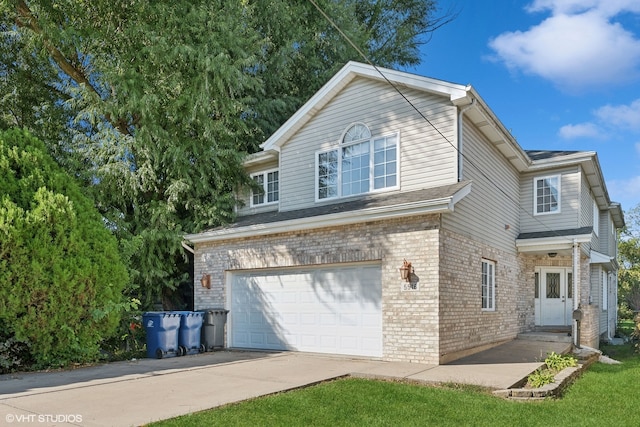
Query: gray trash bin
212,332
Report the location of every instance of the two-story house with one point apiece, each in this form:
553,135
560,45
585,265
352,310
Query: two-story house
381,169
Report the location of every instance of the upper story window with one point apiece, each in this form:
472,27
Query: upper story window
546,195
361,164
269,181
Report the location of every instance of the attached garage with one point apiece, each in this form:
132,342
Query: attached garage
335,309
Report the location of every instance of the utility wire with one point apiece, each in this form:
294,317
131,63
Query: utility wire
478,169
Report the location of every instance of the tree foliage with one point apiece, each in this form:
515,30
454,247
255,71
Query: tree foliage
154,104
61,276
629,259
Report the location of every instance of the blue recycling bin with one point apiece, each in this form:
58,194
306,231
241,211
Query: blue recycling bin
162,329
189,333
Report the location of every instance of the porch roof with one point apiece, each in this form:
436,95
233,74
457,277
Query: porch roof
553,240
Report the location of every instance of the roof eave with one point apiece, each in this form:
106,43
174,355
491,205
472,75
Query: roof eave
551,244
419,207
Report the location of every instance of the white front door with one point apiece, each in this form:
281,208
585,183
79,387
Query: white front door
556,296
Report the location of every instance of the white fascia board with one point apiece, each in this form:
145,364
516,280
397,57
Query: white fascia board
551,243
565,160
599,258
260,157
420,207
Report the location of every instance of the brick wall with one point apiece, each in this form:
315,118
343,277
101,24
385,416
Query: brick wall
410,317
463,325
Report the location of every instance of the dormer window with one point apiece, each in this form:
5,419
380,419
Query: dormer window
360,165
269,182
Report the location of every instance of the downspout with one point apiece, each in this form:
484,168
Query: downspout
576,290
460,137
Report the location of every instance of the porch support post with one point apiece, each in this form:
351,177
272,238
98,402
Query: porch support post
576,290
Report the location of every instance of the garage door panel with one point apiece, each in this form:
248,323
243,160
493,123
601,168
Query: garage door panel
326,310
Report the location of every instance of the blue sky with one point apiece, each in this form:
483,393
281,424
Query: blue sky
560,74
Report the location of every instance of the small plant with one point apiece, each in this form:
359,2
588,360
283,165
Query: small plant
540,377
557,362
554,363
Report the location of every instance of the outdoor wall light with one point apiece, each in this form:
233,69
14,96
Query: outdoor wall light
206,281
406,270
552,254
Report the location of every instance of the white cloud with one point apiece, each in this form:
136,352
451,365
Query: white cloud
582,130
608,120
625,116
577,47
606,7
625,191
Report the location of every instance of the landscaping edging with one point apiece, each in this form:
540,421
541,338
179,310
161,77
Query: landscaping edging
561,381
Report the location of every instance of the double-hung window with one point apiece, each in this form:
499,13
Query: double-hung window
361,164
546,195
488,285
268,188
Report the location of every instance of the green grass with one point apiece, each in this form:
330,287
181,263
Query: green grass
626,327
605,395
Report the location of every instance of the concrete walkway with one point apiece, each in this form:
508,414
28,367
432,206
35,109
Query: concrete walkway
138,392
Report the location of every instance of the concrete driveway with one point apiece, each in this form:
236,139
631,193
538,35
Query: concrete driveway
138,392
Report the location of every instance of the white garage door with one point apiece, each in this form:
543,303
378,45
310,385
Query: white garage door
329,310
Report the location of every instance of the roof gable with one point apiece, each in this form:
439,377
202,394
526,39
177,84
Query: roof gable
345,76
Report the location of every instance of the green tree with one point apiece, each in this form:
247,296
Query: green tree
163,99
61,276
629,259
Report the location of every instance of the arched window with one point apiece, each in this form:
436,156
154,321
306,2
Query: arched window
355,133
361,164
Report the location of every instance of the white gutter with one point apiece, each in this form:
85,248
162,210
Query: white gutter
550,244
420,207
187,247
461,139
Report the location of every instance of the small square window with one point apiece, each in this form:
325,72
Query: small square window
269,191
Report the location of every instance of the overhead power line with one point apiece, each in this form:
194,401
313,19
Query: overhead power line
425,118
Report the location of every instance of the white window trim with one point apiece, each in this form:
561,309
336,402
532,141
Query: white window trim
338,148
492,301
264,188
605,291
535,194
596,218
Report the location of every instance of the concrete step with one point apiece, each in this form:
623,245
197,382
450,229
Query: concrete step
545,336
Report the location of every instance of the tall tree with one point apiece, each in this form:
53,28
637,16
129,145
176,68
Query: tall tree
163,99
629,259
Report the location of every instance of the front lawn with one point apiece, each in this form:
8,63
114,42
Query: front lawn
604,395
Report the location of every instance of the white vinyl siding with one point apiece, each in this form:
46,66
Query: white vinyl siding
488,285
546,195
575,210
425,159
492,205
